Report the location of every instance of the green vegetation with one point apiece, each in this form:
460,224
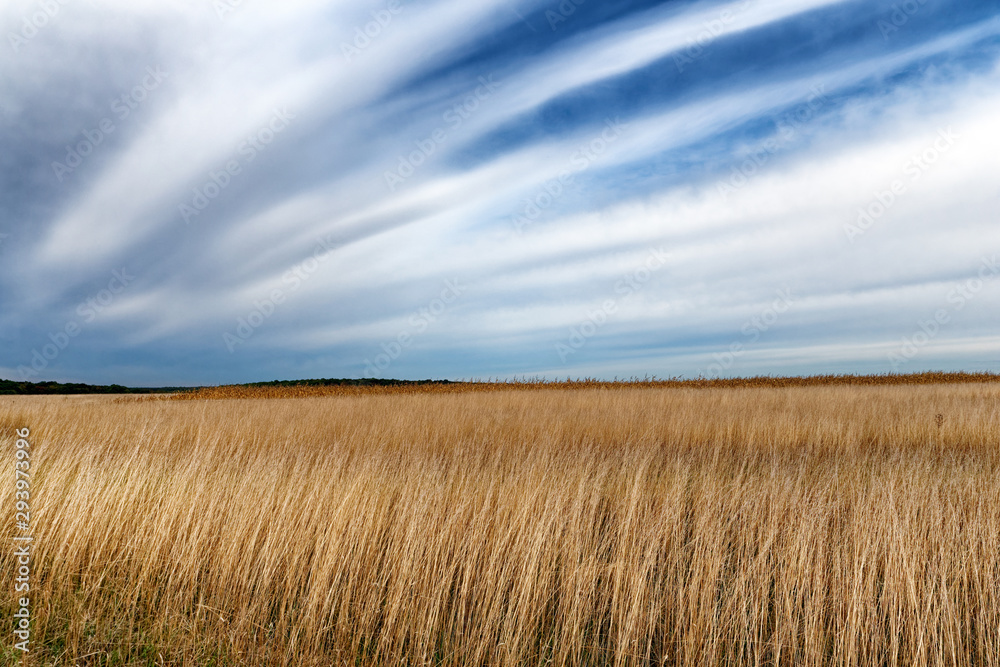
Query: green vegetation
9,387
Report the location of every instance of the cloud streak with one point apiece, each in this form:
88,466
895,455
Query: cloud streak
533,161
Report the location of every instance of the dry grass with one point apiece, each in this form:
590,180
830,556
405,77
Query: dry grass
267,390
827,525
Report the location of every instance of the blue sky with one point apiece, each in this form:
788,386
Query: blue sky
219,191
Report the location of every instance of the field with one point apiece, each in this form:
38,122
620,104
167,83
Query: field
591,524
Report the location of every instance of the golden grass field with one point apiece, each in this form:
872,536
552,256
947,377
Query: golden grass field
596,525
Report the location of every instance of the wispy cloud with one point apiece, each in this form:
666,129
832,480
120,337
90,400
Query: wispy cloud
534,161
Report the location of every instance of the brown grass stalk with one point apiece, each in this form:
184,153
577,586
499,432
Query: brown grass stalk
606,525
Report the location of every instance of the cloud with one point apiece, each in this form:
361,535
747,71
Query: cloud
763,146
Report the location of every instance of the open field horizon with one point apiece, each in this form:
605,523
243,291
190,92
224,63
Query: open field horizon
309,388
826,525
341,386
706,296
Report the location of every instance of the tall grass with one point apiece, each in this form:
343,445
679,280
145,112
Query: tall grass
307,388
830,525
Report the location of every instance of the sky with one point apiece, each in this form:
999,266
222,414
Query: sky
204,192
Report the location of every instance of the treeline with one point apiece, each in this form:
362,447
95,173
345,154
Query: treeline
314,388
342,382
8,387
336,386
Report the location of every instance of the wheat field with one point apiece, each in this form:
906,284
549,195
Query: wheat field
609,525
